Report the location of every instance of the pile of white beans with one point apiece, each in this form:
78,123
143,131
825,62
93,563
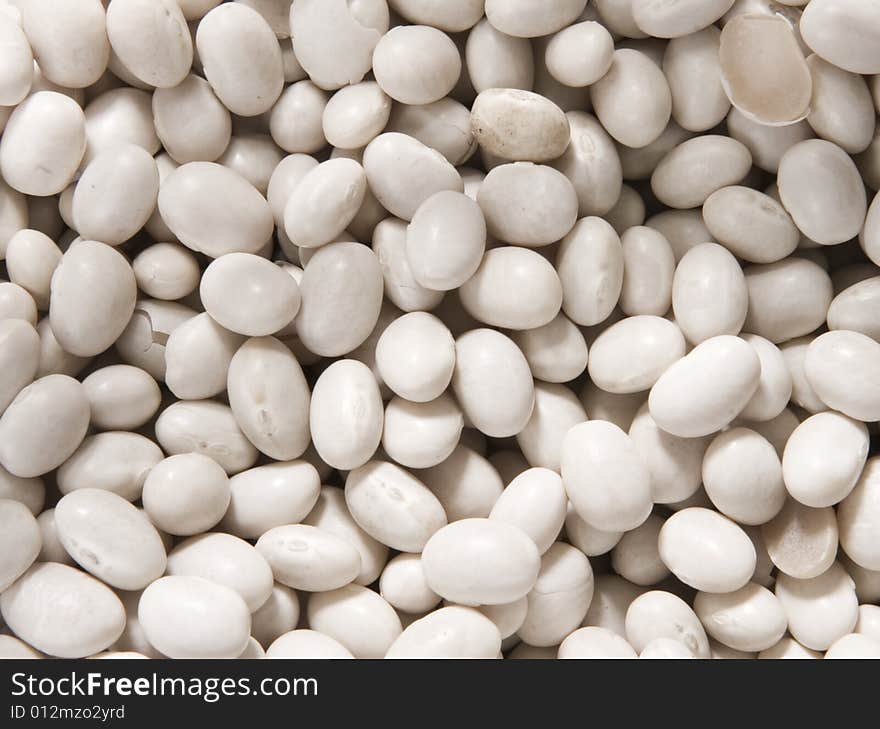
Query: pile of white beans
439,328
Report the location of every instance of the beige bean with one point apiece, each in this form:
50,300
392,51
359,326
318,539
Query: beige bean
772,87
519,125
416,64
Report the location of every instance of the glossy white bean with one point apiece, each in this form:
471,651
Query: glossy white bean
492,382
110,538
605,477
631,355
241,58
706,550
660,614
121,397
823,458
502,567
247,294
168,607
837,361
393,506
528,205
356,617
224,560
743,477
306,644
560,597
331,514
43,144
151,39
750,619
812,174
513,288
186,494
415,356
674,463
466,484
820,610
269,496
706,389
214,210
43,425
843,34
632,100
690,172
75,628
858,516
270,398
450,632
404,586
445,240
535,501
590,264
341,292
21,540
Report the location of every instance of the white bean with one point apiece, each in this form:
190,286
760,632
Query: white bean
605,478
706,550
110,538
170,605
480,562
